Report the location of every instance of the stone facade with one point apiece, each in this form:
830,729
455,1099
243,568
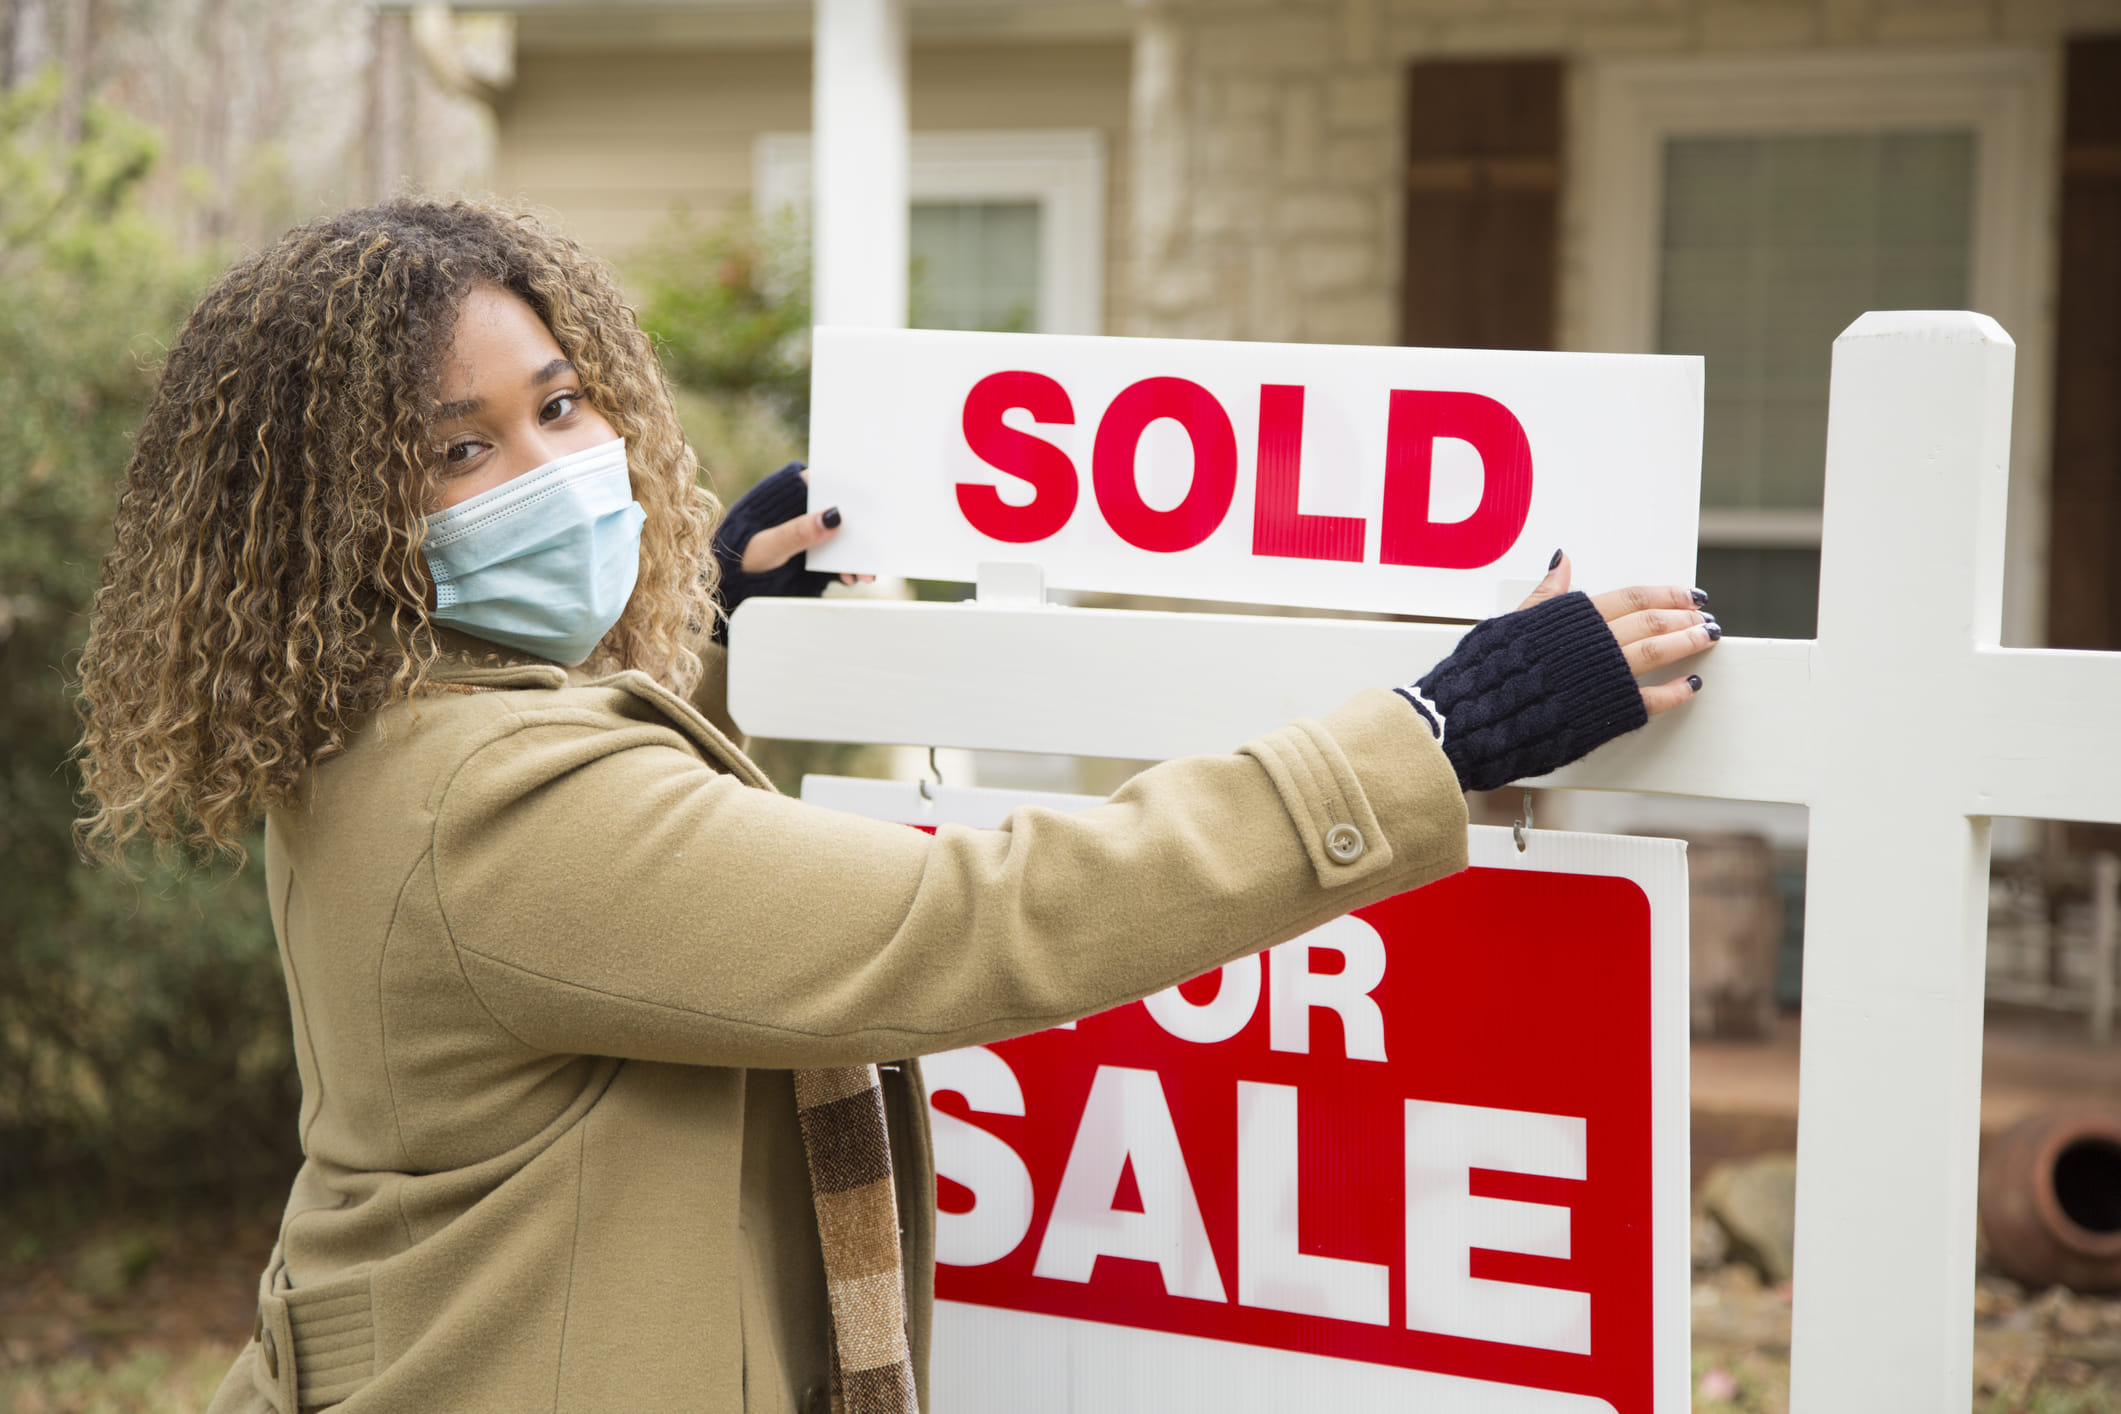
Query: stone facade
1267,134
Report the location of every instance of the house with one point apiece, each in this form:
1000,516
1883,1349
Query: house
1735,178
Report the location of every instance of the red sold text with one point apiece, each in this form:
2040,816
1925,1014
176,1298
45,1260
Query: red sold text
1414,420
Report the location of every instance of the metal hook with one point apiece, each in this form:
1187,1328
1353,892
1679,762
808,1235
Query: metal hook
926,793
1520,826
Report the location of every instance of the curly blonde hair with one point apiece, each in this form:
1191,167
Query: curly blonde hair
267,587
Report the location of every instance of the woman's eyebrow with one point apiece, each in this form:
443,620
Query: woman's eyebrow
465,407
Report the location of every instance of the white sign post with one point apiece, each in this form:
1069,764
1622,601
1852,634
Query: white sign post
1903,726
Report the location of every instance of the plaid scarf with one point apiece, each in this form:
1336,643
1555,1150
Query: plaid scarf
842,1113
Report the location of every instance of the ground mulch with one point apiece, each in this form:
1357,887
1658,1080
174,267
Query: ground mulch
115,1286
120,1313
2051,1352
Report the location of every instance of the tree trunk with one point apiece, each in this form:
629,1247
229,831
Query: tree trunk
386,106
25,45
77,38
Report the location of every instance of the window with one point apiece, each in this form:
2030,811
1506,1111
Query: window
975,265
1771,246
1749,209
1007,228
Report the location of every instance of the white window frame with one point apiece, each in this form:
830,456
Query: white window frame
1624,112
1063,170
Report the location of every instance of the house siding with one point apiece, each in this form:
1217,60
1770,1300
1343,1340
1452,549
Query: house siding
1279,151
611,142
1256,148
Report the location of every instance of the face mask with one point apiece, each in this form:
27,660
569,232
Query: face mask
545,562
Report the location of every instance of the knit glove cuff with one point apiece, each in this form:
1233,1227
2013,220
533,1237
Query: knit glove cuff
776,500
1528,692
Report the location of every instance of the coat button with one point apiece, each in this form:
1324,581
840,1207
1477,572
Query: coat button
817,1399
1345,844
272,1355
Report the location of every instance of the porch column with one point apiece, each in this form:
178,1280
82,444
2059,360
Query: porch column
1157,132
858,167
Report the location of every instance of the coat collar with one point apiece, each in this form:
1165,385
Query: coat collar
710,739
473,662
468,662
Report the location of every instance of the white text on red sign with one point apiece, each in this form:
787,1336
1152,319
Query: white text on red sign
1126,1128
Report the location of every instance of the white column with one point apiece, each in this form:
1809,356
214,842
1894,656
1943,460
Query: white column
1917,457
859,127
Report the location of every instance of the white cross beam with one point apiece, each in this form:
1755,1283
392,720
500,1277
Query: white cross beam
1903,726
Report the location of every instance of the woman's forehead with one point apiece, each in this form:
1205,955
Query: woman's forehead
499,342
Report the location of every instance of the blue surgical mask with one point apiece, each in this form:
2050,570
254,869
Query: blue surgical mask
544,562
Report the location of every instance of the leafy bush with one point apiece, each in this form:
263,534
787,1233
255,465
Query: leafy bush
729,309
143,1029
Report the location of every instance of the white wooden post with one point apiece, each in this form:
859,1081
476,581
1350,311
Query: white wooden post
1896,889
859,164
1903,726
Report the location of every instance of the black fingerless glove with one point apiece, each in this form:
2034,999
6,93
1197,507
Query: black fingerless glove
776,500
1528,692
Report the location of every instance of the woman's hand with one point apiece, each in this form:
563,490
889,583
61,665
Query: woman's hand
761,543
776,545
1527,692
1655,625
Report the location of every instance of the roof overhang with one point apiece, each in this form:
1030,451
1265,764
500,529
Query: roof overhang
607,25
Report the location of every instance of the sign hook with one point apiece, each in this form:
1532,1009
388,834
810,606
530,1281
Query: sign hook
1520,826
928,794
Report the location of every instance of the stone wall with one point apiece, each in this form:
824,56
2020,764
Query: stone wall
1267,142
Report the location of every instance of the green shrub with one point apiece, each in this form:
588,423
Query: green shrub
143,1029
729,309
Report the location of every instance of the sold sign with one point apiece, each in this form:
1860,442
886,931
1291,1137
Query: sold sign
1410,479
1429,1155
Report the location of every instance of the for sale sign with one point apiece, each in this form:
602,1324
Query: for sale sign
1426,480
1430,1155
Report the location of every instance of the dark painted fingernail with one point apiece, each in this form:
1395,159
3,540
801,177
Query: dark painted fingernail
1715,630
1707,617
1555,563
831,517
1701,598
1694,682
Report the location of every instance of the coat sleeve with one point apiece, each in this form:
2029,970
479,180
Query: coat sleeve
608,892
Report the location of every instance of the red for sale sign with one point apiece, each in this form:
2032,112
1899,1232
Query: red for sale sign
1434,1151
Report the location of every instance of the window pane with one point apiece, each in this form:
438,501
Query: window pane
975,265
1771,246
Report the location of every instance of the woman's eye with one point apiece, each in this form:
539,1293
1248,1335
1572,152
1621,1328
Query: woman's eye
560,406
458,453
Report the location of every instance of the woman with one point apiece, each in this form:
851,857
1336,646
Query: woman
412,563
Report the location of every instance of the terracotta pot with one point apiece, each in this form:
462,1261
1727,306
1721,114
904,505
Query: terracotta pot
2051,1199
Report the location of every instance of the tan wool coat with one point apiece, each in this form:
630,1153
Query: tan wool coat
552,946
